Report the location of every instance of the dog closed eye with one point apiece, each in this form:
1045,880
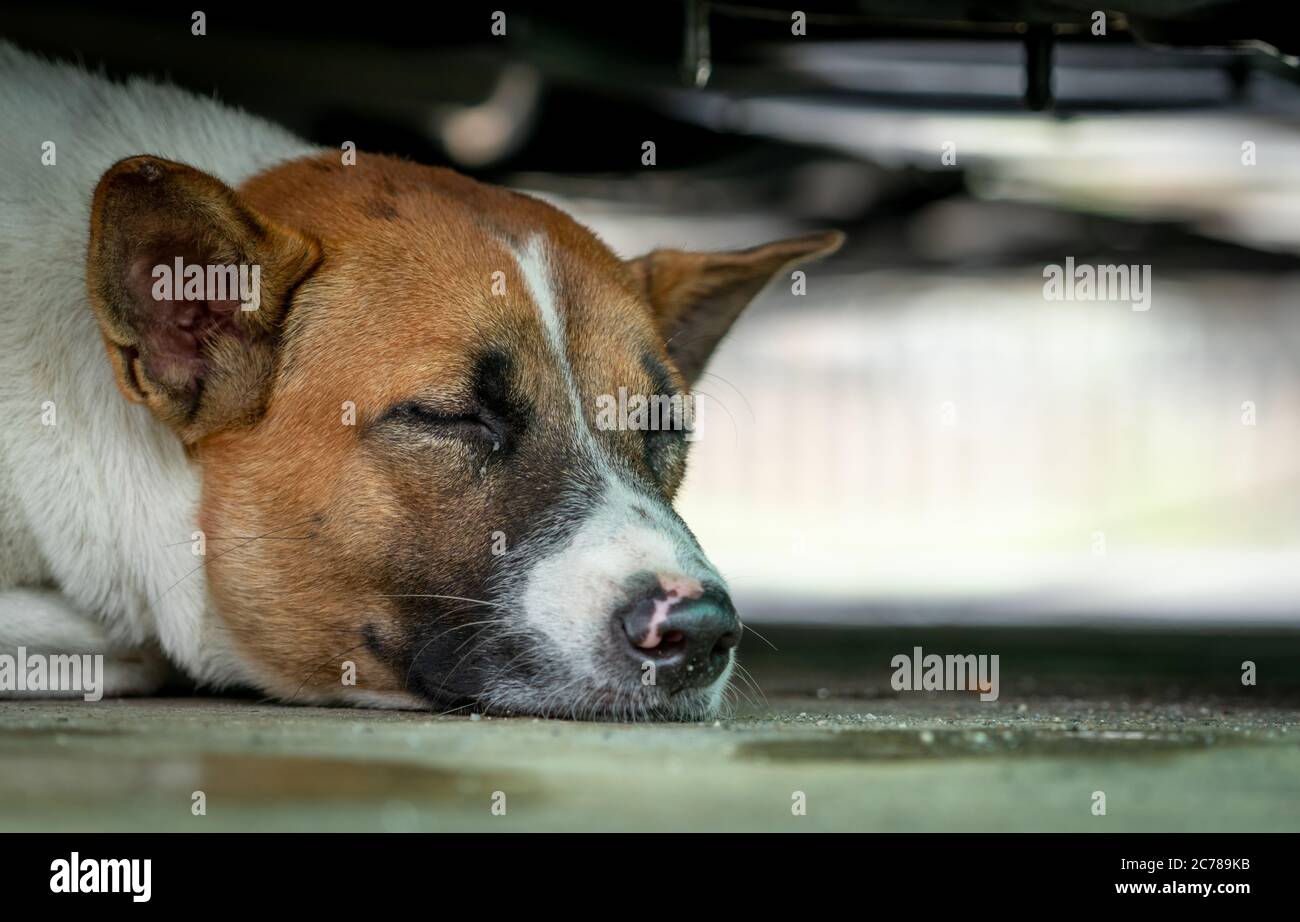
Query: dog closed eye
474,425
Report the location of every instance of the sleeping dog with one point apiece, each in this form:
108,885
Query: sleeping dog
324,425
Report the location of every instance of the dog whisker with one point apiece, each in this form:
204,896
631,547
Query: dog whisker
206,559
415,659
748,405
431,595
746,627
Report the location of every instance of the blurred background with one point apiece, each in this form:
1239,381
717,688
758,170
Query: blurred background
921,437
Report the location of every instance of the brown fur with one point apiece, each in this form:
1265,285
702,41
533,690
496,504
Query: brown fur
398,302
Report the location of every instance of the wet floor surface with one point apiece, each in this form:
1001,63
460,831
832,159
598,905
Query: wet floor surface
1160,726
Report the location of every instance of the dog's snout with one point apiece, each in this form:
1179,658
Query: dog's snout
686,632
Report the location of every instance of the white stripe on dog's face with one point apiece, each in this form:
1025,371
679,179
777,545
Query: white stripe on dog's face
568,588
469,519
535,267
536,270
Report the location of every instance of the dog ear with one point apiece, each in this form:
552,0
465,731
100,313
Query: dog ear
198,348
696,297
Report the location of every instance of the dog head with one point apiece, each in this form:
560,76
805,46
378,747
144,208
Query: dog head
410,488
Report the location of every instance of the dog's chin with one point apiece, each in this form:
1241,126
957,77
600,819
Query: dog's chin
590,701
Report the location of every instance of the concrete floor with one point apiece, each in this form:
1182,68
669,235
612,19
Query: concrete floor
1158,722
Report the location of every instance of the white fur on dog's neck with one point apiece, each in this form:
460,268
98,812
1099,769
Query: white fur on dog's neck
97,511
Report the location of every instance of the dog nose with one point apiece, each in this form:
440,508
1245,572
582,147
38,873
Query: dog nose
687,636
